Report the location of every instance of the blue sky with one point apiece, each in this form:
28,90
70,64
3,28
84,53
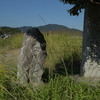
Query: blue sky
17,13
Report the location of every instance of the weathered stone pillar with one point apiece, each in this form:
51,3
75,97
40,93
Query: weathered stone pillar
91,41
31,57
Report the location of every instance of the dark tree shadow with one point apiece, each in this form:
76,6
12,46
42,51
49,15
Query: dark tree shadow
45,76
66,66
69,66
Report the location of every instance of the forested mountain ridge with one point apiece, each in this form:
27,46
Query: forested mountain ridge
46,28
50,27
7,30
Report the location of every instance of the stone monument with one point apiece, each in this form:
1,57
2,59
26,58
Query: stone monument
31,57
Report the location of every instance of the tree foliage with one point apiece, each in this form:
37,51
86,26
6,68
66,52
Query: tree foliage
78,5
1,32
9,30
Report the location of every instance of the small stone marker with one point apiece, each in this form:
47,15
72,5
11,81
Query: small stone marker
31,58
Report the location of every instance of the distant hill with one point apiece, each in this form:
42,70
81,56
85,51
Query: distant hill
50,27
46,28
53,27
25,28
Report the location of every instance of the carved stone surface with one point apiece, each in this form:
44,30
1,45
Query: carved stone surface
91,42
31,57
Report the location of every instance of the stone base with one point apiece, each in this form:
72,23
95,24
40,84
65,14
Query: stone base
82,79
91,69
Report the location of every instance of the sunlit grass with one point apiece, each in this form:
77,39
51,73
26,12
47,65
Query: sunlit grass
61,46
10,43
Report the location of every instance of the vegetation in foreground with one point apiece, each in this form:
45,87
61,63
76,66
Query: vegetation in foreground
64,56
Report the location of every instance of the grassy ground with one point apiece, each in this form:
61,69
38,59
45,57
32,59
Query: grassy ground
64,58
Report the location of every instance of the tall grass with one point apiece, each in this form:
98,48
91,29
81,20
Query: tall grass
64,53
62,50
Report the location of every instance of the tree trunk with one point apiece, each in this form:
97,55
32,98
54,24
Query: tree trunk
91,41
